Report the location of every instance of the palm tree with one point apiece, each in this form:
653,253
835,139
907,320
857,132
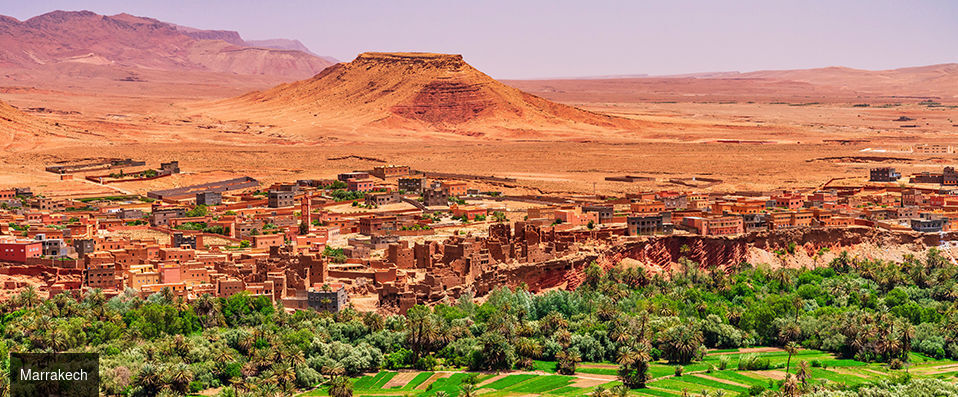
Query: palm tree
223,356
907,335
789,332
564,338
97,302
441,394
340,387
168,295
600,391
28,297
286,375
804,373
528,347
421,329
791,348
620,391
468,390
246,345
566,361
681,342
634,366
148,378
789,387
268,389
179,376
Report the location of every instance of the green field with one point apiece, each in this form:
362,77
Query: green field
698,377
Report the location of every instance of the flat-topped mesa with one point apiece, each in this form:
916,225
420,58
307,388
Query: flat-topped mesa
417,59
416,91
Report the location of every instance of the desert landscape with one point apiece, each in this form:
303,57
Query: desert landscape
212,215
681,127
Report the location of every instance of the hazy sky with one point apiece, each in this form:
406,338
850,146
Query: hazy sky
552,38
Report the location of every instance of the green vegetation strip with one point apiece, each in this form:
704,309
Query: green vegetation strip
415,382
543,384
656,392
383,380
739,378
712,383
508,381
449,385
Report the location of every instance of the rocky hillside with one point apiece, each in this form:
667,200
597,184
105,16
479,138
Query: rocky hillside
19,130
791,248
421,92
123,40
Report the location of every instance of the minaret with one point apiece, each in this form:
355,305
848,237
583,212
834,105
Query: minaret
306,211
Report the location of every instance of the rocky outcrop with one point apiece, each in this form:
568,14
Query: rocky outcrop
661,252
421,91
446,101
556,273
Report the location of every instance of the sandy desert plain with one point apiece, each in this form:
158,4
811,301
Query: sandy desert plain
751,133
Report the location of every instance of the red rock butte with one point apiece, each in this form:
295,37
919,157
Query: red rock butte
419,92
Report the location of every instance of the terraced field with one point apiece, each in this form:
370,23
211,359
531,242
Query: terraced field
698,377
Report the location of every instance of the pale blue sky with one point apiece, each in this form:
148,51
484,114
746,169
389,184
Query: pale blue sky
554,38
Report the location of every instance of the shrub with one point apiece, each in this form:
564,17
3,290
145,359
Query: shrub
752,362
896,364
756,390
307,377
678,370
723,363
196,387
427,363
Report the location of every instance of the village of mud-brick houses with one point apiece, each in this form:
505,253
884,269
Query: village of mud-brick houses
392,237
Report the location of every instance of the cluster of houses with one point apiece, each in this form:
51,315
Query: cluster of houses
394,234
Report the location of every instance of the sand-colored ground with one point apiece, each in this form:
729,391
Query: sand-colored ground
583,166
806,142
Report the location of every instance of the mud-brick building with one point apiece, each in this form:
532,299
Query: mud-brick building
279,199
455,188
19,250
401,255
435,197
360,185
103,276
346,176
331,299
162,216
883,174
379,199
717,226
377,225
412,185
928,225
647,224
390,171
209,198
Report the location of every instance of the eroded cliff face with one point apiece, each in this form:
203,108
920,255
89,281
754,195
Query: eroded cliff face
446,102
811,247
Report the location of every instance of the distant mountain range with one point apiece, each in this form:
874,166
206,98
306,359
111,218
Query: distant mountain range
938,82
84,37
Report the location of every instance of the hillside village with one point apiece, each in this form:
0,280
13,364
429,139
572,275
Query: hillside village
389,238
